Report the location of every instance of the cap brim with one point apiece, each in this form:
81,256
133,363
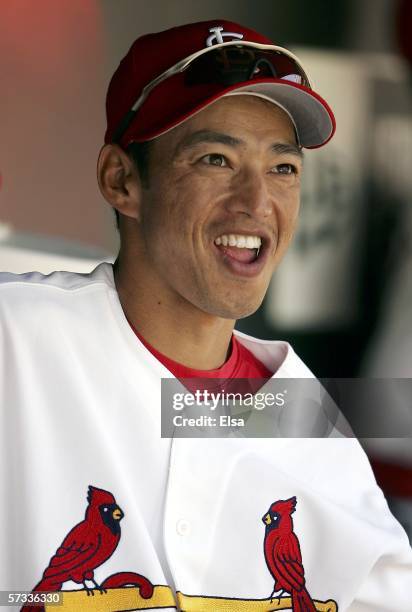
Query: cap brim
171,103
313,119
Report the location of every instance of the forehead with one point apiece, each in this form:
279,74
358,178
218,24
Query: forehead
247,117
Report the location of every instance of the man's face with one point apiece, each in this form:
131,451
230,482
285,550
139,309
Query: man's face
228,175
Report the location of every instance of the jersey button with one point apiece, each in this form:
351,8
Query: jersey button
183,527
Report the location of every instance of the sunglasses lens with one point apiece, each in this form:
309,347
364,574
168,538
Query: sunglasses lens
231,65
225,66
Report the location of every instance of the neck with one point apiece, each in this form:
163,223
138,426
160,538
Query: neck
168,322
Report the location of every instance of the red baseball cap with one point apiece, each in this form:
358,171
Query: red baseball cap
167,77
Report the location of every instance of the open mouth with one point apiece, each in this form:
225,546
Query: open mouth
244,254
242,248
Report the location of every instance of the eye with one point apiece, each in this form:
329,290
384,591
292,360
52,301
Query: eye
105,509
214,159
285,169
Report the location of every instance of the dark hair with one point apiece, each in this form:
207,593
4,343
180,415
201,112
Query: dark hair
139,153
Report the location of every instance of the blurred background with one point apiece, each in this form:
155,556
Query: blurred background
343,294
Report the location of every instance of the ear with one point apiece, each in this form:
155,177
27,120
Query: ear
119,180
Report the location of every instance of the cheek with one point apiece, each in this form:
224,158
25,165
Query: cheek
293,217
289,211
191,200
287,216
173,219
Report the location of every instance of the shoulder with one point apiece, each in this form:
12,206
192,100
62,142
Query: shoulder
59,280
324,419
35,296
277,355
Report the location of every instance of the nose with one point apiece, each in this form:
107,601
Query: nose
250,194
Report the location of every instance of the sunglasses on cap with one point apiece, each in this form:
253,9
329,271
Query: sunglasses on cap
226,64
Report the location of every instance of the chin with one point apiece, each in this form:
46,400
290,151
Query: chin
232,310
246,313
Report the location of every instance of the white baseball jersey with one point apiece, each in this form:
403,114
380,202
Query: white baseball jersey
160,523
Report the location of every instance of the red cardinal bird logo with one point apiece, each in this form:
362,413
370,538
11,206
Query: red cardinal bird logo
87,546
283,556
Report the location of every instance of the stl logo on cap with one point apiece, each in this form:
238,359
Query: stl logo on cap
216,38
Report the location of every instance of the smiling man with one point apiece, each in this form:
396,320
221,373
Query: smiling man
202,163
208,227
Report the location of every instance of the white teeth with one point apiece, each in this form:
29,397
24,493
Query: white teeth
240,241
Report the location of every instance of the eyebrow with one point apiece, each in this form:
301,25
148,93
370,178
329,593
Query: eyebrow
202,136
287,147
208,136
